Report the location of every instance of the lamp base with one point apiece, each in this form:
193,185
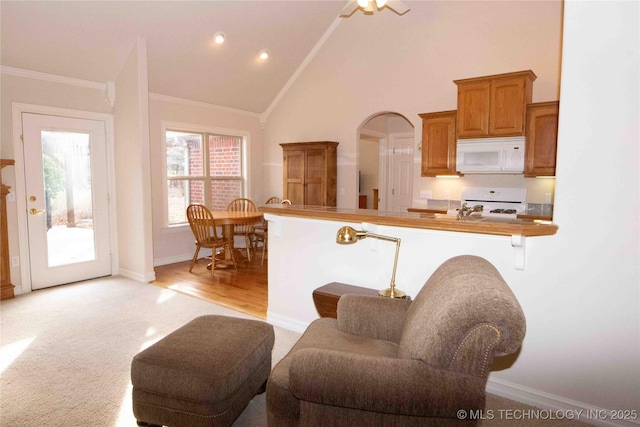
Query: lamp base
392,293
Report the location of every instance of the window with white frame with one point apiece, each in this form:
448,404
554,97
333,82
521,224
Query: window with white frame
202,167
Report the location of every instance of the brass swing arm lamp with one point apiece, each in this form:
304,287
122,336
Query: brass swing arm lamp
347,236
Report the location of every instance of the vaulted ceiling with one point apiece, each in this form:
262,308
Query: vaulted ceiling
91,40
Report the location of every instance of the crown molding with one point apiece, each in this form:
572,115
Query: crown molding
20,72
188,102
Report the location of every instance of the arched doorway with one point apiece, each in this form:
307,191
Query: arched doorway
385,162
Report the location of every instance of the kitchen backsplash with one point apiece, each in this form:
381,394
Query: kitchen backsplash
540,209
443,205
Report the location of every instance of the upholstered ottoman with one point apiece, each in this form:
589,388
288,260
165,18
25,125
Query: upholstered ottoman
203,374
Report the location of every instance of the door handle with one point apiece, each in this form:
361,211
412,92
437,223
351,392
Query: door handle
34,211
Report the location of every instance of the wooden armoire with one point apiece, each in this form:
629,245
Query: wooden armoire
310,173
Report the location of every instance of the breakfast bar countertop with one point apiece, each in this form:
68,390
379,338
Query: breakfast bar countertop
430,221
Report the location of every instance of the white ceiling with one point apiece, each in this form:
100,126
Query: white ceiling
91,40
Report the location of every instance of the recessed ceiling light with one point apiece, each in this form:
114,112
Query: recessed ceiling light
264,54
219,37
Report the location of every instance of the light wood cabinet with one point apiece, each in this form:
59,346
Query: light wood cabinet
310,172
438,143
542,139
494,105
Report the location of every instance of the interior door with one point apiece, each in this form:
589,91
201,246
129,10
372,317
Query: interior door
67,199
401,173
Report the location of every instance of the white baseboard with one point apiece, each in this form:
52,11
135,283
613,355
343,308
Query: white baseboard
177,258
560,406
142,278
204,252
286,322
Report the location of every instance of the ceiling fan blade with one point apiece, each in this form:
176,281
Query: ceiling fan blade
349,9
398,6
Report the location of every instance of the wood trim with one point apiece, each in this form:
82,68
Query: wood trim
6,287
528,73
326,297
427,211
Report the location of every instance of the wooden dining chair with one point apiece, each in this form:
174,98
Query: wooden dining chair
262,230
203,226
273,201
248,231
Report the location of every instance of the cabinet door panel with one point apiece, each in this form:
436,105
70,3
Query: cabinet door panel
438,143
314,173
506,116
473,109
542,139
294,177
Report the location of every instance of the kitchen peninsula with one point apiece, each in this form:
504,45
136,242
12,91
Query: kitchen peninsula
303,254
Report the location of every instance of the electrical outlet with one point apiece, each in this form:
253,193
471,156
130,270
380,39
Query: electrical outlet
425,194
15,261
547,198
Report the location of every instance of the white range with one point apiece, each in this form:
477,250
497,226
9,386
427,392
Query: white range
505,203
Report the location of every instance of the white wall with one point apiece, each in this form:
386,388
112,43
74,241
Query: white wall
176,243
594,266
580,288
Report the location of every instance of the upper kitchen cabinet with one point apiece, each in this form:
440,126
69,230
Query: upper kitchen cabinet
495,105
438,143
310,172
542,139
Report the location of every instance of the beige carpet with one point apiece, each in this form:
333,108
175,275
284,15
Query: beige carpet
65,353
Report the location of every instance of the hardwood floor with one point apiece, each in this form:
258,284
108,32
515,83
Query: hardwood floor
244,290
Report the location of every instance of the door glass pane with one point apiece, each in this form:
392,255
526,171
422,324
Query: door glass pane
66,160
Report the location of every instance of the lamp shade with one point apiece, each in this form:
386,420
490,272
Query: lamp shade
347,235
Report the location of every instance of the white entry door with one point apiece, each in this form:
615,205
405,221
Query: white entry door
401,172
65,166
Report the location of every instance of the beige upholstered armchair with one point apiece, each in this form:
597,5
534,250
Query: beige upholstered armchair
391,362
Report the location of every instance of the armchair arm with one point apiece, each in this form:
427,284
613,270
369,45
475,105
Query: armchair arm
372,317
382,384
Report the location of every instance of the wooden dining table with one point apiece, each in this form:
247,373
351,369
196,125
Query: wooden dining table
228,220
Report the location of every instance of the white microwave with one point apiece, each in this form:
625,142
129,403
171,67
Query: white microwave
490,155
